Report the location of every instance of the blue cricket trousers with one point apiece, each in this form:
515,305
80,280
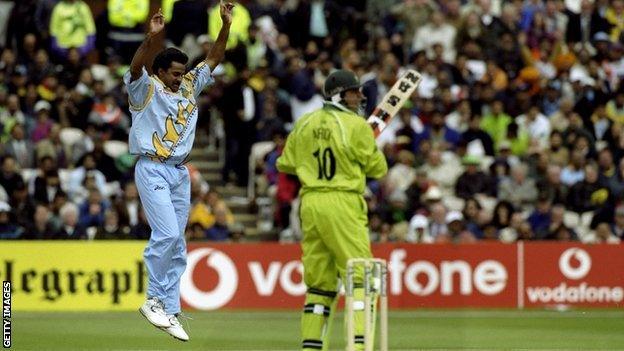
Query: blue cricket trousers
165,192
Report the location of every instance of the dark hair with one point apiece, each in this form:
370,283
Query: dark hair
496,220
166,57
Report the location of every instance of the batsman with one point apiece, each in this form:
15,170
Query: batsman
332,151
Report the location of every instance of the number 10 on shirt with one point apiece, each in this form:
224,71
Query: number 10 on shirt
326,163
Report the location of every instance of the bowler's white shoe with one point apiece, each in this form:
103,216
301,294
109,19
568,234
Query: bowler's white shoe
154,311
176,329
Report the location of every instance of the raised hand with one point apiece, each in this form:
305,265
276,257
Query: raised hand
226,12
157,23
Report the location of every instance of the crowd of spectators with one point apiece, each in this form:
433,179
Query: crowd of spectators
515,132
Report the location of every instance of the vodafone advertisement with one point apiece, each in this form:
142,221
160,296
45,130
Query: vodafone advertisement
586,275
420,276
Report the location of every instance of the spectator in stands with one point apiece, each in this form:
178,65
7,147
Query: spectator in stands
9,177
600,122
475,133
22,205
241,21
270,125
557,227
10,116
238,126
78,176
559,119
535,124
606,166
20,148
110,229
511,232
104,162
93,209
8,229
70,228
552,187
588,194
128,206
44,124
444,171
437,225
416,190
574,172
618,222
473,216
517,189
437,31
518,140
502,214
79,32
563,233
47,184
418,232
457,232
270,169
615,106
440,135
41,227
120,28
220,230
583,26
402,174
525,233
396,209
60,199
473,181
53,147
540,218
558,154
107,114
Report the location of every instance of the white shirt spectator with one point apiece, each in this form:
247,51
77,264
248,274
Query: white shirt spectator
536,125
418,231
74,186
400,177
436,32
444,169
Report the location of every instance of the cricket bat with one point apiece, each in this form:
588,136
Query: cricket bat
393,101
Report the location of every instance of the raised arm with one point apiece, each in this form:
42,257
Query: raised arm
215,56
150,46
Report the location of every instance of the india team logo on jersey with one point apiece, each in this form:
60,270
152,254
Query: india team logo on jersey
164,146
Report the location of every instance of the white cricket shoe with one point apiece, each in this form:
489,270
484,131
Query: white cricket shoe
154,311
176,329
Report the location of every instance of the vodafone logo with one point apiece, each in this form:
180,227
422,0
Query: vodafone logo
575,263
227,280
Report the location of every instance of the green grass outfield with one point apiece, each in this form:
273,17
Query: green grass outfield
273,330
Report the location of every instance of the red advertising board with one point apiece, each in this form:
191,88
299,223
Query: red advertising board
270,276
572,274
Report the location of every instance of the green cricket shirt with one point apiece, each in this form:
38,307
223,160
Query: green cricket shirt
332,149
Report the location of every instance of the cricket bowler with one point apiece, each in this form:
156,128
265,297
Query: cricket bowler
164,114
332,151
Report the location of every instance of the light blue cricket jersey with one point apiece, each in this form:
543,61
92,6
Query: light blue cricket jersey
163,122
